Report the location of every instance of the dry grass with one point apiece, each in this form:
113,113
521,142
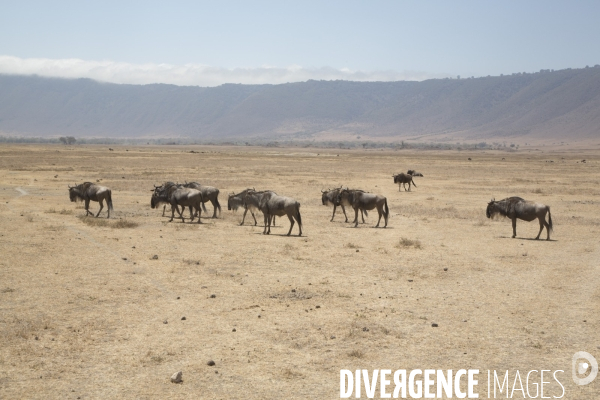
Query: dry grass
281,315
404,243
106,223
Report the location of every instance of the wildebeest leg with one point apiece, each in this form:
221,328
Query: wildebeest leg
542,222
164,208
344,210
101,207
334,207
356,217
291,224
362,215
192,213
514,224
180,213
379,211
409,186
274,220
173,212
199,215
87,208
267,220
244,217
215,207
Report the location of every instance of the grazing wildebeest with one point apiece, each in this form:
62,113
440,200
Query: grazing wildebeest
414,173
90,191
177,195
209,193
271,205
158,189
330,197
403,179
518,208
360,200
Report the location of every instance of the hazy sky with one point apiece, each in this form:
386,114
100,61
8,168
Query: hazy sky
209,43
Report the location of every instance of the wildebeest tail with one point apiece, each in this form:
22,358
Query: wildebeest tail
298,213
549,219
109,200
413,182
386,210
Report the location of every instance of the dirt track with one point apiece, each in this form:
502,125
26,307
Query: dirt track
83,307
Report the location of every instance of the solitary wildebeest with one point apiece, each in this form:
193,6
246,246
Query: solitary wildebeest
330,197
177,195
403,179
271,205
516,207
360,200
90,191
414,173
209,193
235,201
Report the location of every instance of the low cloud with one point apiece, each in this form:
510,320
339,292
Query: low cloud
192,74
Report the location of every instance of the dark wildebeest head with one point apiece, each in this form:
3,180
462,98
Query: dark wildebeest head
491,209
414,173
79,192
329,197
160,195
235,201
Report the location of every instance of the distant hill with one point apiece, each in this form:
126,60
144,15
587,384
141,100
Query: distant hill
560,105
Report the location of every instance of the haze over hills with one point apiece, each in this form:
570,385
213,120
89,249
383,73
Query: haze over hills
545,106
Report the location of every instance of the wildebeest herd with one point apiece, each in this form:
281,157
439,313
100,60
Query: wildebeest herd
193,196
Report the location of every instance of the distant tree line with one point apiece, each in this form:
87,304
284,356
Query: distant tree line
67,139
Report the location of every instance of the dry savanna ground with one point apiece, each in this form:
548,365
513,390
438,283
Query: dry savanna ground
87,311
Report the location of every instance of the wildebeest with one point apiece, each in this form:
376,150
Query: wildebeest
403,179
518,208
413,172
330,197
365,201
159,201
209,193
271,205
177,195
90,191
235,201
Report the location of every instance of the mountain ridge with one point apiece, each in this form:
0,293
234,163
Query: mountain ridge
548,105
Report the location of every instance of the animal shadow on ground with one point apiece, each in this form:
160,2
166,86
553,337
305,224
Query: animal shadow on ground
522,238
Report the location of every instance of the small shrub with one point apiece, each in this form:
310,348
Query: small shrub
406,243
123,223
356,354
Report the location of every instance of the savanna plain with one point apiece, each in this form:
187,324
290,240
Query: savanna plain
94,308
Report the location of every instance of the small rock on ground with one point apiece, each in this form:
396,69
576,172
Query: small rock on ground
177,377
